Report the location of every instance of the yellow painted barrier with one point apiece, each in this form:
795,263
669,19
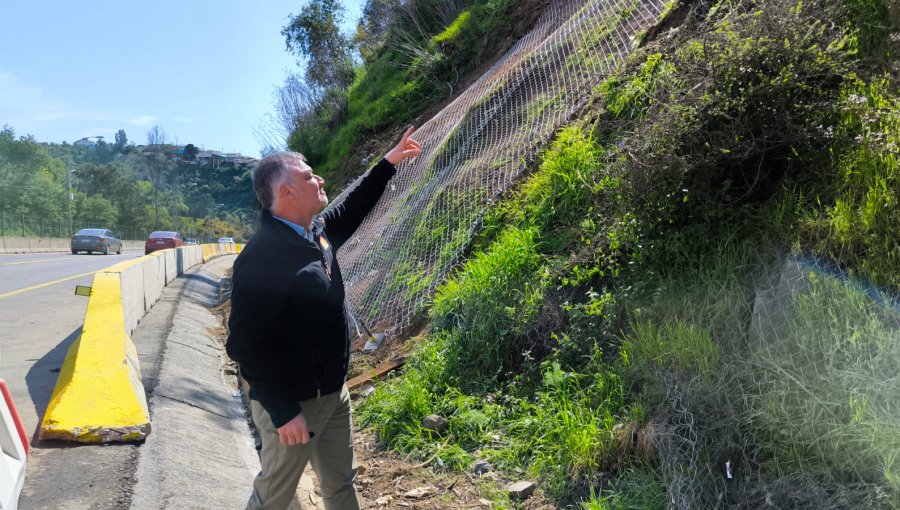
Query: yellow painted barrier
99,396
213,250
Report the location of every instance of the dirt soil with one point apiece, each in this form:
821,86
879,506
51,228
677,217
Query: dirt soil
389,481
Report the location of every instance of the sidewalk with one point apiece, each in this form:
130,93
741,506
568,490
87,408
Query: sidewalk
200,453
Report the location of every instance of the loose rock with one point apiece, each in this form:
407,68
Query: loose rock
366,390
436,423
521,490
418,492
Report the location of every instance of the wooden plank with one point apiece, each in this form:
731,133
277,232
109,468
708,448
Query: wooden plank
375,373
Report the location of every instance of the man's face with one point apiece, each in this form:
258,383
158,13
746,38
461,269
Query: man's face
307,188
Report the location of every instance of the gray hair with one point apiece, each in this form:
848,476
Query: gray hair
269,172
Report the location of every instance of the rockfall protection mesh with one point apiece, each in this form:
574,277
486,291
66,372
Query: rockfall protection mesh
476,148
808,363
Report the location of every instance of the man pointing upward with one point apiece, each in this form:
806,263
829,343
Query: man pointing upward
289,326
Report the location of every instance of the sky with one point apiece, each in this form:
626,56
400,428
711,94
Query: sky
204,71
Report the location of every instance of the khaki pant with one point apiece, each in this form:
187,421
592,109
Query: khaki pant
330,452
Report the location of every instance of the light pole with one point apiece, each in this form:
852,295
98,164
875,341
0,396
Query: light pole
69,195
177,201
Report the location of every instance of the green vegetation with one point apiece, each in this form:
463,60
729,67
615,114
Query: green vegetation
859,228
485,303
121,187
635,326
840,349
419,64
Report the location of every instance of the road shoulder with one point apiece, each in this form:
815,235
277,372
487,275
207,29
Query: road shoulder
200,453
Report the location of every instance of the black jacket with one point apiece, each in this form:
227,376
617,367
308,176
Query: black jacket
289,324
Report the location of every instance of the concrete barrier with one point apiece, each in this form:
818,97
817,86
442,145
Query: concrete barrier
13,451
39,244
134,282
170,269
154,274
15,245
99,395
49,244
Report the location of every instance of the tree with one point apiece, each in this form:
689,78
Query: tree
47,195
373,27
295,105
96,211
121,141
190,151
158,164
103,153
131,201
31,181
295,110
315,34
106,180
7,134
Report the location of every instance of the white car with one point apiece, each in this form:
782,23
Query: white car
228,240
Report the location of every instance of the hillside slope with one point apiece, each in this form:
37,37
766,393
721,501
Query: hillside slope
657,252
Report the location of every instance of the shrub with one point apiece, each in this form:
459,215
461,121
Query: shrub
482,306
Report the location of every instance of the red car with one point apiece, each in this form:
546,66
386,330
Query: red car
162,239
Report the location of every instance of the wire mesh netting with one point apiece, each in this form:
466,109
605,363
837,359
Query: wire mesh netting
476,148
808,377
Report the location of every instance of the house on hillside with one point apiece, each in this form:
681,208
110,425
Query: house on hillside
209,157
238,159
84,143
204,157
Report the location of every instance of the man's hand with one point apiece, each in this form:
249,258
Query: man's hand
294,432
407,148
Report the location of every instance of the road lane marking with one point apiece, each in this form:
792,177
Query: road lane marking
54,282
31,262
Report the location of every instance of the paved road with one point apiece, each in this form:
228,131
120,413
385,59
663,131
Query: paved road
39,318
200,453
23,271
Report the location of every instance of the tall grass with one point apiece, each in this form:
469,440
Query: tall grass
805,383
486,305
861,230
679,345
565,436
541,418
561,431
829,366
636,489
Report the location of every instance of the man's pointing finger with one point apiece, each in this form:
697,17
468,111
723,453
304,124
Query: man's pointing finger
406,135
